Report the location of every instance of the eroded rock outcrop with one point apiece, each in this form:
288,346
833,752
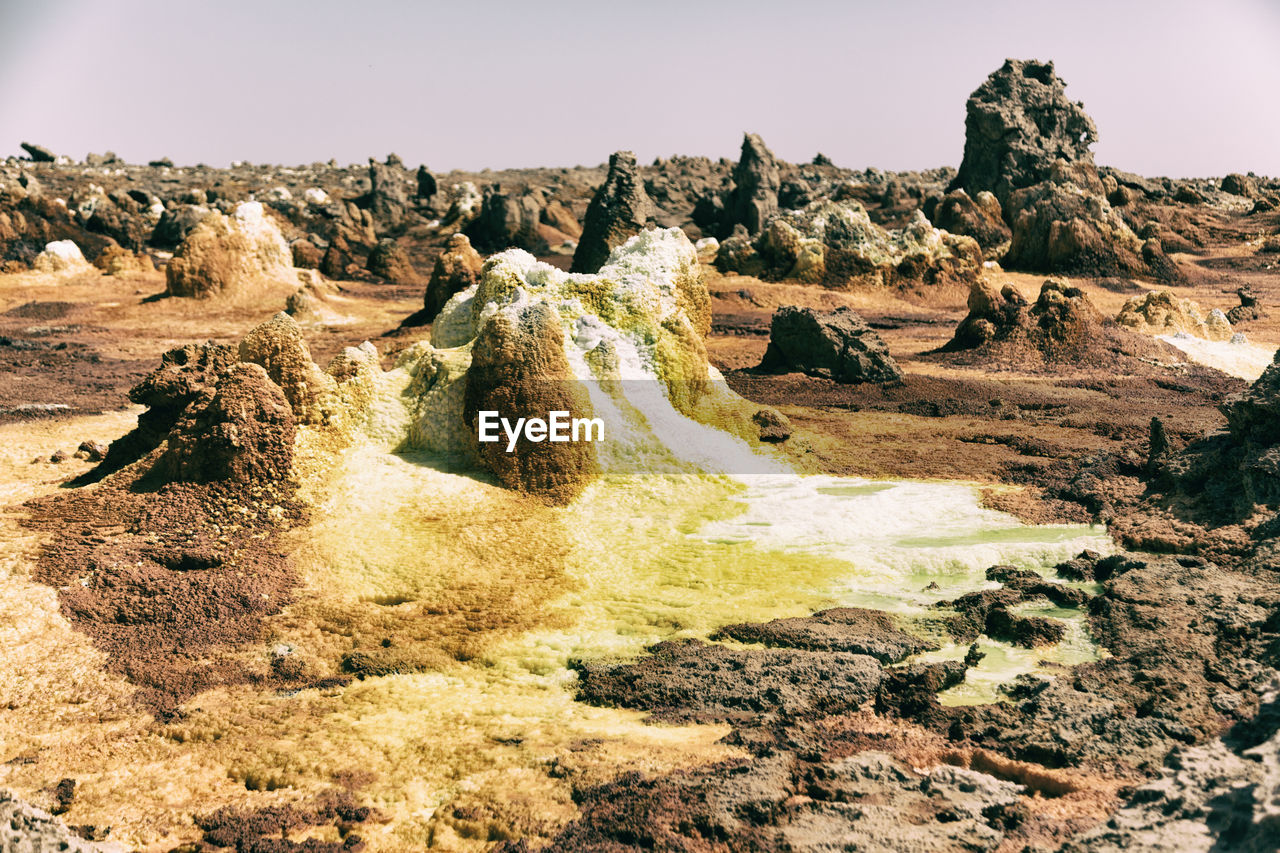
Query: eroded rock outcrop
1064,224
528,338
186,376
508,218
1061,327
390,261
1160,312
457,268
1237,469
1224,794
619,210
279,348
1029,145
244,433
836,244
1248,309
756,179
837,345
388,199
1017,124
519,368
229,254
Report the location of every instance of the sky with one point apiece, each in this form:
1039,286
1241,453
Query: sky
1176,88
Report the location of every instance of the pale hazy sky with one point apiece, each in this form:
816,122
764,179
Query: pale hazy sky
1176,88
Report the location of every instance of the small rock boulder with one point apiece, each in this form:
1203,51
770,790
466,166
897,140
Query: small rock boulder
1241,185
837,345
61,256
389,260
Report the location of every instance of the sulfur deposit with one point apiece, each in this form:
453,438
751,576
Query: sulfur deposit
535,339
1160,312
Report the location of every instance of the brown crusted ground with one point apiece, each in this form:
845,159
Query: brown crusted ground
267,830
171,582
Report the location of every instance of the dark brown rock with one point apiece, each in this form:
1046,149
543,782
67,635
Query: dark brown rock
389,260
619,210
244,433
837,345
1017,124
457,268
756,178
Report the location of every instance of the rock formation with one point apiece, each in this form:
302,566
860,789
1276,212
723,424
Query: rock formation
186,377
756,180
176,223
528,336
27,829
306,256
1247,309
225,254
1026,143
337,257
244,433
427,187
1160,312
507,219
837,244
457,268
1245,186
117,260
314,301
837,345
279,348
389,260
62,256
618,211
1061,327
979,217
1237,469
519,368
1017,124
388,199
1065,225
1224,794
39,153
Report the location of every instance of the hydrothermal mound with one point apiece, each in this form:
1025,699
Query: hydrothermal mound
405,670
